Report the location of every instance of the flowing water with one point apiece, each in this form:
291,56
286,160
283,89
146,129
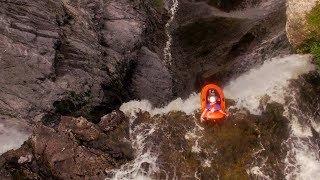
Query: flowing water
272,79
251,92
167,50
12,134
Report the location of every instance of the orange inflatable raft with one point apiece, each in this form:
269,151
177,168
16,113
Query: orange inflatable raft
204,94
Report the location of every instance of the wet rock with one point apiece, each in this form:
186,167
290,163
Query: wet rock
116,127
112,121
76,149
215,46
297,27
151,78
309,94
226,150
80,127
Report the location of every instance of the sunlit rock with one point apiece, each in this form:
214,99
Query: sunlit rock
297,29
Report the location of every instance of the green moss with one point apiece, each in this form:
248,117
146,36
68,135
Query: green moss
312,44
158,3
313,19
315,50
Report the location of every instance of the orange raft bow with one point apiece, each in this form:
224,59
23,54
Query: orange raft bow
204,94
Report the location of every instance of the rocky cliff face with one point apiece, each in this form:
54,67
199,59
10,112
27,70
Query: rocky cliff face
79,57
73,149
297,27
84,58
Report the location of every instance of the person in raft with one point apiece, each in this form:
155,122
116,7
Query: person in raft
213,105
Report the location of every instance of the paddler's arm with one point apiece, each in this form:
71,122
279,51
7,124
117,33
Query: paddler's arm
225,113
203,114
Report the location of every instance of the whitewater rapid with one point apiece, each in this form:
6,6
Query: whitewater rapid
271,79
12,134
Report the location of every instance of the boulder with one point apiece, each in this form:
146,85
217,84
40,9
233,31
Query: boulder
76,149
297,27
80,127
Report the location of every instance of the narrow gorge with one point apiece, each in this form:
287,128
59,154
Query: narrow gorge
109,89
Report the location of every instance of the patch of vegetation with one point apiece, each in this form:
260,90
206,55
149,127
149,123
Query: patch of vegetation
313,19
315,50
312,45
158,3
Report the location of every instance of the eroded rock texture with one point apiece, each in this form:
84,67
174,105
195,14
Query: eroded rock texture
74,149
54,51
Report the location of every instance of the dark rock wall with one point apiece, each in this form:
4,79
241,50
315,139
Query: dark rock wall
211,45
51,49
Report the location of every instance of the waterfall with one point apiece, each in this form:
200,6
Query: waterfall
167,50
247,91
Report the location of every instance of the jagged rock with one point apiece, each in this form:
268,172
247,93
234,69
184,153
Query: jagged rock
151,78
80,127
50,49
77,149
297,28
112,121
116,126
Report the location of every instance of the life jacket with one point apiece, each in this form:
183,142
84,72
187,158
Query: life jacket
210,115
215,106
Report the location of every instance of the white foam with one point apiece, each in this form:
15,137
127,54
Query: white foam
11,136
299,130
144,156
256,170
309,164
272,78
167,50
188,106
194,136
302,160
206,163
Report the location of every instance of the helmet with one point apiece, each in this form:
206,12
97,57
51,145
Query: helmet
211,91
212,99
